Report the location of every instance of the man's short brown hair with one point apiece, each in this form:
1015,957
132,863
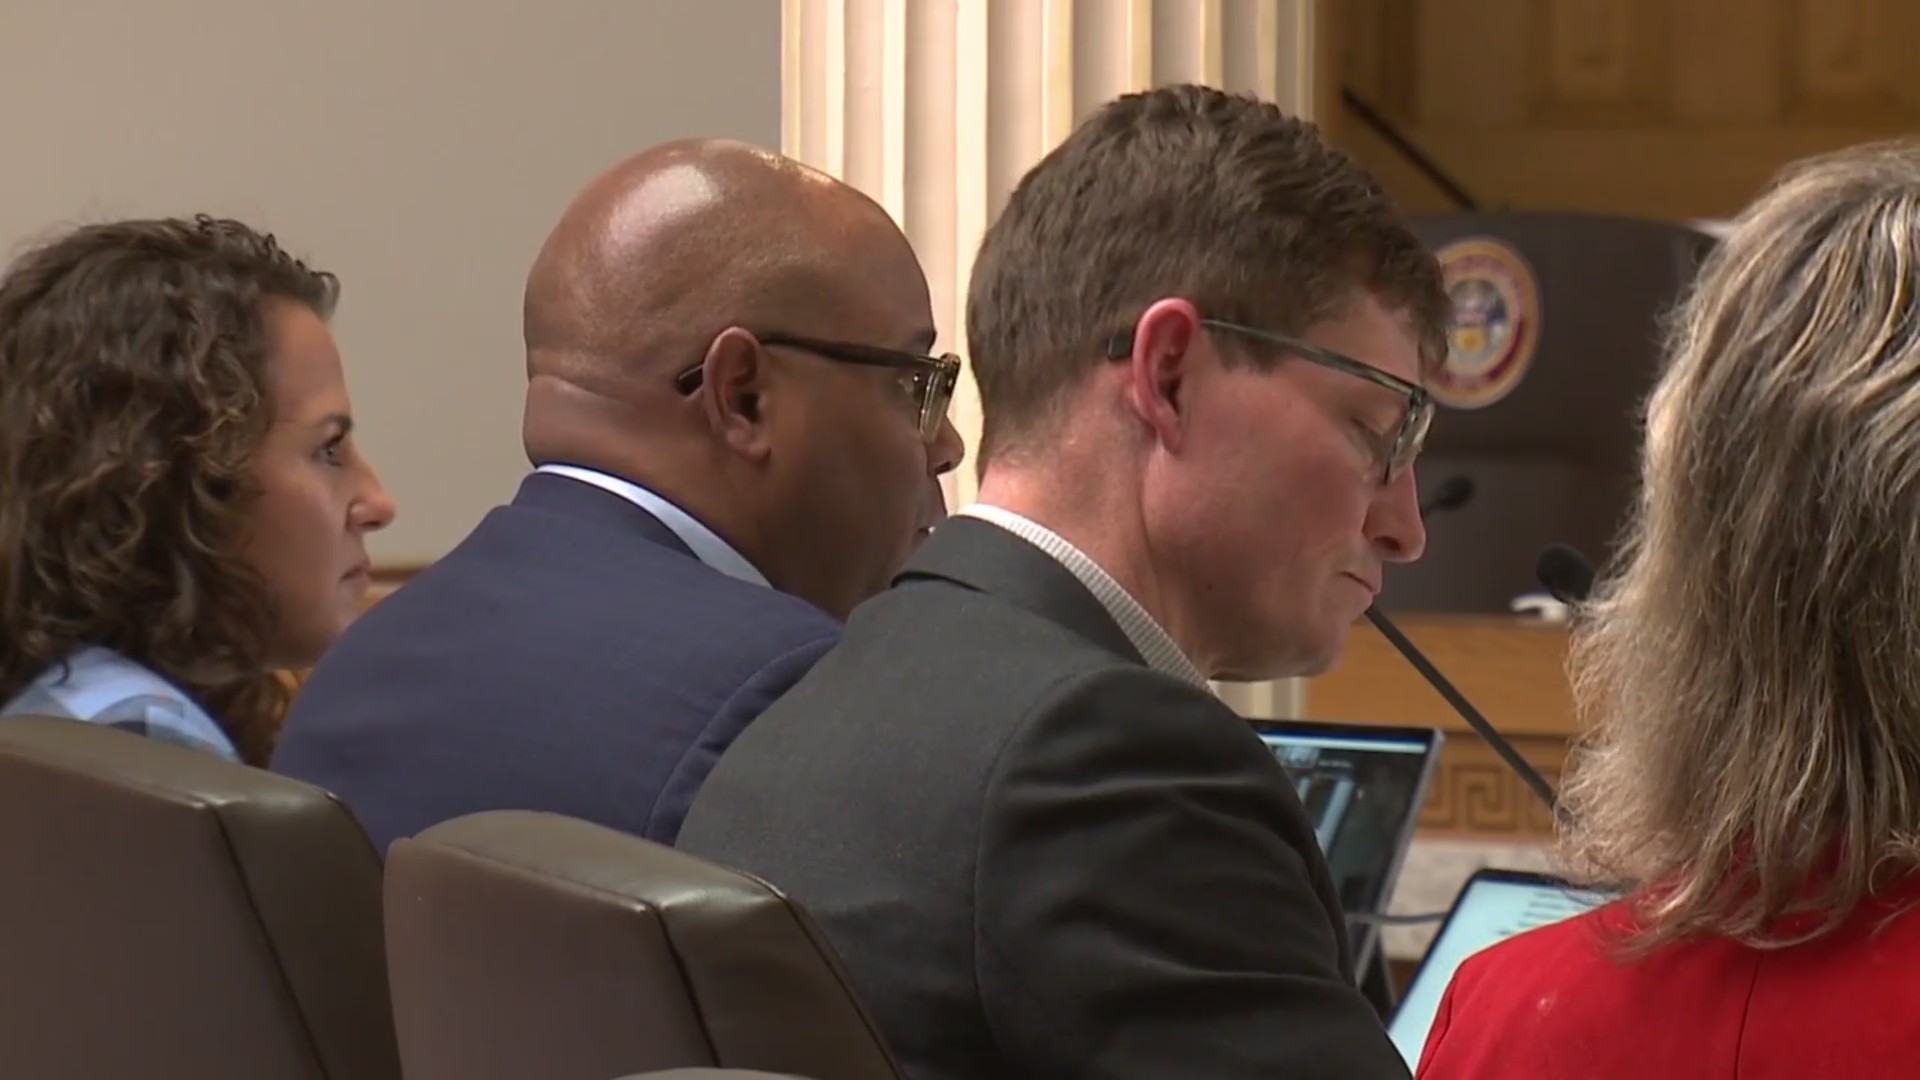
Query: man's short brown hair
1185,191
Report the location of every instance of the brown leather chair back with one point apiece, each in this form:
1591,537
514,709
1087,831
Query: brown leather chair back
524,944
166,912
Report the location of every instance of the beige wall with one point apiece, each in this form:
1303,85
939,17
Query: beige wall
418,148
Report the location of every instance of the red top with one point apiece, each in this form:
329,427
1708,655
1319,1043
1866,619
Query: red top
1558,1003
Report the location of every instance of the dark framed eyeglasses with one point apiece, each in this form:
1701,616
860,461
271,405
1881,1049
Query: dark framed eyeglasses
930,379
1407,440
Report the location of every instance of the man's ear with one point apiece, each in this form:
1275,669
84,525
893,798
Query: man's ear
734,381
1164,340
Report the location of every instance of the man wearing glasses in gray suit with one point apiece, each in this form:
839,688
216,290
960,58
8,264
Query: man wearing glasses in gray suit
1040,844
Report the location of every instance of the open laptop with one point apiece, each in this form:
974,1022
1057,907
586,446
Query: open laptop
1363,788
1493,905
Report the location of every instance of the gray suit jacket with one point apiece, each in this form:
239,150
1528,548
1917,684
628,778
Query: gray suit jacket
1037,856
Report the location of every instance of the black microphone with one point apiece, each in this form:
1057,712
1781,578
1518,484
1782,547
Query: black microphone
1461,705
1565,573
1451,494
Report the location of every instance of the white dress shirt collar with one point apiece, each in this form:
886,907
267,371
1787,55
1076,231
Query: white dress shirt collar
1156,646
706,545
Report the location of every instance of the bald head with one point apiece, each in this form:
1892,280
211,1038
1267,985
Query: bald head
673,245
762,277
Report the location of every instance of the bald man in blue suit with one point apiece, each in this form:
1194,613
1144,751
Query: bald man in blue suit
736,431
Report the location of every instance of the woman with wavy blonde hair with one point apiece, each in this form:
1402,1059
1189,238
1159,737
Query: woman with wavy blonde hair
1749,677
182,510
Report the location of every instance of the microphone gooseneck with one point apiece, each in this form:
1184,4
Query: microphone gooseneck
1527,773
1565,573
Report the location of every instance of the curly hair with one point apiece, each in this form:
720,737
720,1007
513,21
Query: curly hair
133,395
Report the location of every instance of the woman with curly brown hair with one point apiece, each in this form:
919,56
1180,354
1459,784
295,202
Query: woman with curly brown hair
182,510
1750,677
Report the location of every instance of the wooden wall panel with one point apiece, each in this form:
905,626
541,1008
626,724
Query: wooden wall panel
1599,62
1511,669
1474,794
1740,85
1672,109
1514,672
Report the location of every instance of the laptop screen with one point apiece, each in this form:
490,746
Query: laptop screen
1495,905
1363,788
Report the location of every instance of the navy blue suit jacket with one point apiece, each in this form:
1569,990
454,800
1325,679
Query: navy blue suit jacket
570,655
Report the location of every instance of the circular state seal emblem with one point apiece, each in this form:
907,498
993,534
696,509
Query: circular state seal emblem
1496,323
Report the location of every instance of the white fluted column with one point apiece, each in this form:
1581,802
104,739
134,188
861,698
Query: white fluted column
936,108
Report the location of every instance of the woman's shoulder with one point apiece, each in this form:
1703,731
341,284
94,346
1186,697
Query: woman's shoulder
1576,941
1574,992
101,686
1571,992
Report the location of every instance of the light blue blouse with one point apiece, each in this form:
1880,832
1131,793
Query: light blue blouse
101,686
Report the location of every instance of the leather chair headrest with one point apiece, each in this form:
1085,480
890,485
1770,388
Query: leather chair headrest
523,943
163,905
